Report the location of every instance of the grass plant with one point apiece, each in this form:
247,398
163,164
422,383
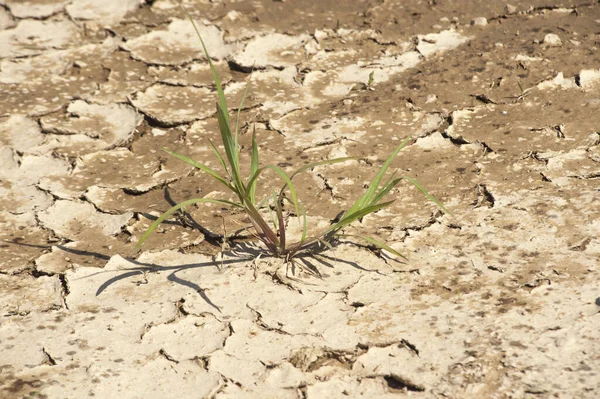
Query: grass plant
273,233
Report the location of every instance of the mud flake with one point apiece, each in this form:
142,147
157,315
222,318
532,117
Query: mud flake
113,124
175,105
118,168
296,127
35,8
126,76
20,133
249,339
193,74
32,37
349,386
433,43
246,372
6,20
193,380
19,199
32,168
78,254
187,338
22,294
70,219
21,240
396,361
108,12
275,49
178,44
278,92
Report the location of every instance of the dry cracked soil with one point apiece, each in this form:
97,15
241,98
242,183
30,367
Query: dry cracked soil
500,299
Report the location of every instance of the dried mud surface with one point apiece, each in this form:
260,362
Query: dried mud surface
501,299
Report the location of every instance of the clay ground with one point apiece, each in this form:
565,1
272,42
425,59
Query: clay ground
501,299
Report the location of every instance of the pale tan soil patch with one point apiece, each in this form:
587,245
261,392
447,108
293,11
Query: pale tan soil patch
501,299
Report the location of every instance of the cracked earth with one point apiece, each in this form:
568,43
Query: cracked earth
501,299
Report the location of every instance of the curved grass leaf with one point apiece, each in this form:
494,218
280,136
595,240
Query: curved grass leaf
377,243
429,196
284,177
177,207
253,168
367,197
304,226
220,94
219,157
200,166
231,151
348,217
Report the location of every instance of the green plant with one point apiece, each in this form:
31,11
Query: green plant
274,238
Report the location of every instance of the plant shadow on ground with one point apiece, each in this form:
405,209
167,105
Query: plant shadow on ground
244,252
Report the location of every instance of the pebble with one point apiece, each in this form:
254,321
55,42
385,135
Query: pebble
510,9
552,40
480,21
431,99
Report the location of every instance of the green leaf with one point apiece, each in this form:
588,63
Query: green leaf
220,94
281,223
237,119
219,157
262,228
367,197
429,196
371,78
177,207
286,179
377,243
386,188
231,151
348,217
253,167
200,166
304,226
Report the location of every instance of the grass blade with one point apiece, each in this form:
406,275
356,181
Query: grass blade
284,177
377,243
262,227
429,196
177,207
219,157
220,94
281,223
386,188
304,226
253,168
348,217
237,119
367,197
231,151
200,166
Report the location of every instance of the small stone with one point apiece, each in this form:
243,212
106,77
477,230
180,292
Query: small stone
480,21
552,40
431,99
510,9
